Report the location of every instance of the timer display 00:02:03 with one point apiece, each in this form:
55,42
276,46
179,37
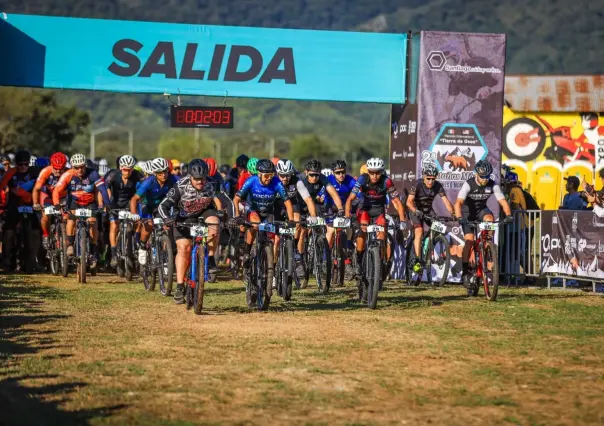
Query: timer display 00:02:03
202,116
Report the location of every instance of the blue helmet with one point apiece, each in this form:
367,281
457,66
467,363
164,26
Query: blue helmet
42,162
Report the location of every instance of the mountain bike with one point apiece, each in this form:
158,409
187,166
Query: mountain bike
318,254
21,239
125,245
160,260
56,242
259,286
284,268
197,274
485,269
434,251
339,250
82,255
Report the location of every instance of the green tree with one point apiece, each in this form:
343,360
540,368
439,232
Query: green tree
307,147
183,146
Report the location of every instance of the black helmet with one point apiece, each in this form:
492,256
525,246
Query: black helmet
242,160
94,165
22,156
265,166
483,168
429,169
198,169
340,164
184,169
313,166
225,168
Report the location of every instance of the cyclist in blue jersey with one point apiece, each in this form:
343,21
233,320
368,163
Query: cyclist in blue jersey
343,183
262,189
153,190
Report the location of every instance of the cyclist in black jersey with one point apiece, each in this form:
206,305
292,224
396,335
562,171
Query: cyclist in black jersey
296,193
419,202
471,205
121,186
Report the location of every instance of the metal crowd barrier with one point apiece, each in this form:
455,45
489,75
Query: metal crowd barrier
520,253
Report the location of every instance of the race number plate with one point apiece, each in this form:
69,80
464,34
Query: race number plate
124,215
287,231
51,211
316,221
25,209
199,231
438,227
158,221
341,222
375,228
267,227
487,226
83,212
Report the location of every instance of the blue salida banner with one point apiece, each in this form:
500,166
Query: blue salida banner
148,57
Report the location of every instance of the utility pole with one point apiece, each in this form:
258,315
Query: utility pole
131,142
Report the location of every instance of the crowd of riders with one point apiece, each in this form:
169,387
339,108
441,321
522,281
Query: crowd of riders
230,200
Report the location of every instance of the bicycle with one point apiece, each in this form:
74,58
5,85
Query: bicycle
259,286
26,257
434,250
160,260
484,245
125,245
318,254
339,250
82,242
284,268
56,242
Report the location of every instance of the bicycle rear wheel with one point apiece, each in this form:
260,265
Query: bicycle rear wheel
264,282
200,278
287,274
490,270
441,258
322,264
83,261
373,275
128,256
165,254
339,252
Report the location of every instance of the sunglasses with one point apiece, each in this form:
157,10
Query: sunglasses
314,174
176,168
484,177
22,164
267,175
79,167
430,178
339,172
198,179
375,173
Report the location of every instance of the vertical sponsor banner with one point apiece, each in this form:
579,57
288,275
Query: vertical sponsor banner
403,152
461,83
599,178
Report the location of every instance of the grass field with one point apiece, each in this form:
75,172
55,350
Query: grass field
110,353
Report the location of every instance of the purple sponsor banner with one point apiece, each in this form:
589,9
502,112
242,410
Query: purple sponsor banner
403,146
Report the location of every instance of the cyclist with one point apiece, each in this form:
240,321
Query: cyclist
122,185
419,202
19,181
246,174
262,190
45,185
471,205
5,161
192,197
343,184
82,186
214,178
376,187
151,193
175,167
233,177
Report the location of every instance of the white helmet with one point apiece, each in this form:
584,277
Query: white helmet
159,165
326,172
375,164
78,160
127,161
32,161
285,167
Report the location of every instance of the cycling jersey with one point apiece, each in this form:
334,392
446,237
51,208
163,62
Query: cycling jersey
424,196
294,187
20,185
475,196
80,190
121,192
231,182
374,194
243,177
317,191
187,201
217,182
262,197
343,189
152,193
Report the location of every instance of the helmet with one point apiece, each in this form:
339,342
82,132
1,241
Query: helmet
184,169
285,167
364,169
483,168
375,164
429,169
127,161
175,163
4,158
225,168
103,167
265,166
198,169
78,160
313,166
340,164
251,165
242,160
42,163
211,166
159,165
326,172
58,160
145,167
22,156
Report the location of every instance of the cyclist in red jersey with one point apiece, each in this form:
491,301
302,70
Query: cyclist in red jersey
45,185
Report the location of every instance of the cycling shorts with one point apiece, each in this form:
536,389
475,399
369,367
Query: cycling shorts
73,205
146,212
182,232
419,223
479,215
264,217
378,214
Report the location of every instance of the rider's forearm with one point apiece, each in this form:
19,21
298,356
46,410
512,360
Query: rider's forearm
35,195
236,205
311,206
290,210
335,197
133,204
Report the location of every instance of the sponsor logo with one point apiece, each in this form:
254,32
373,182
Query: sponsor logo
395,155
162,61
554,219
600,248
409,128
412,176
437,61
596,222
600,152
575,221
548,243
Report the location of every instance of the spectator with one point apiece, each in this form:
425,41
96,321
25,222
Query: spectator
572,199
597,201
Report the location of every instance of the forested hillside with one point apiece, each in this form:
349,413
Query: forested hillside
553,36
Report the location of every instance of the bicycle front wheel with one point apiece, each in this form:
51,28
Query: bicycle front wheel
83,263
373,275
490,270
165,255
200,278
441,258
287,274
322,264
264,281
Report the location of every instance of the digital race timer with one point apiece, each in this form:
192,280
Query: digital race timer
202,116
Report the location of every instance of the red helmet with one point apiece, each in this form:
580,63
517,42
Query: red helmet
58,160
211,166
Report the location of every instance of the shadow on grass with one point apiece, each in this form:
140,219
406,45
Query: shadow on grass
21,307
